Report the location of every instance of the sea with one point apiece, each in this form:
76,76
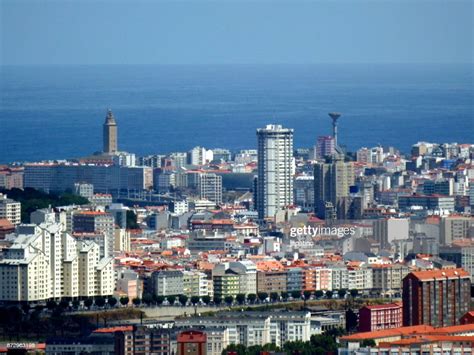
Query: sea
57,112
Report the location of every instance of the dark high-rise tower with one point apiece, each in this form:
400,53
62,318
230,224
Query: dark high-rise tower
110,133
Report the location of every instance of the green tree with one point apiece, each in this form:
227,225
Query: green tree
112,301
318,294
100,302
217,300
240,298
132,220
368,343
274,296
64,304
238,349
88,302
354,293
171,299
296,294
284,296
206,299
329,294
229,300
159,299
342,293
124,301
194,300
262,296
137,301
75,304
147,298
51,305
183,299
252,297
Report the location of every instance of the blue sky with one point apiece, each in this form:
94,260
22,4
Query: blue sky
223,32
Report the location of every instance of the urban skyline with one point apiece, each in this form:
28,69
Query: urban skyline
201,177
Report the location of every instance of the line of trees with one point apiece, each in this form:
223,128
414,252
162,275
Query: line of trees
32,200
240,299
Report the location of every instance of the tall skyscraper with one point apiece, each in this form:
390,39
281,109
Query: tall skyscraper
275,170
331,187
110,133
436,297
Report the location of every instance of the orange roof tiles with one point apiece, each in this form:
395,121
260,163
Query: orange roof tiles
271,265
445,273
454,329
417,329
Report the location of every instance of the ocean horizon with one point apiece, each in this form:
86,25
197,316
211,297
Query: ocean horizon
56,112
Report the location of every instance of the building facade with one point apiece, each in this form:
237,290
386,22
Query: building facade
436,297
275,170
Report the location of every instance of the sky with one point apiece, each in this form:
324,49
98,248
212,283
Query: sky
235,32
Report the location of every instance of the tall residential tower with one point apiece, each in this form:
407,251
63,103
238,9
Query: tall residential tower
275,170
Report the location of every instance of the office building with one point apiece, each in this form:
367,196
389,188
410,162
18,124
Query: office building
331,187
210,187
275,170
304,192
325,147
427,202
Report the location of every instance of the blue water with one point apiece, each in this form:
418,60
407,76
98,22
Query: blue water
57,112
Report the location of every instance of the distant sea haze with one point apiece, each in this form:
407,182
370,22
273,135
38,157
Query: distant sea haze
54,112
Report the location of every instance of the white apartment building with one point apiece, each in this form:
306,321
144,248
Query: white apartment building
122,240
96,222
257,328
245,269
46,263
389,229
10,209
275,170
199,156
195,283
210,187
167,282
359,278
